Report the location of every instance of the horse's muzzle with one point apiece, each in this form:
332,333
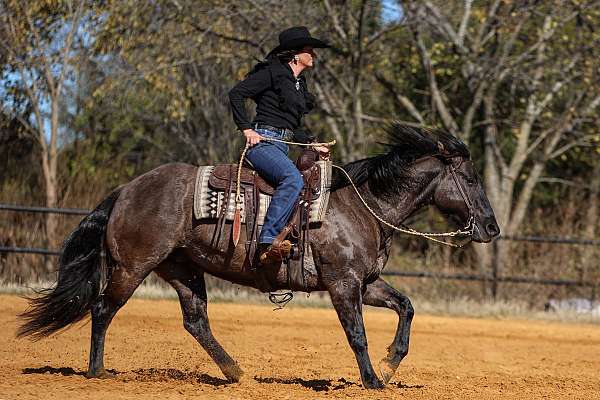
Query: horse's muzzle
492,229
484,233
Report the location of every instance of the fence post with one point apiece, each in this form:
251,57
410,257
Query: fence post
495,269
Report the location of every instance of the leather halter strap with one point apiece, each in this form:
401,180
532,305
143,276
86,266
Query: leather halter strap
450,166
466,198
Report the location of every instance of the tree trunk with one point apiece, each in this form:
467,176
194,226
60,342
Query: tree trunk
50,168
492,172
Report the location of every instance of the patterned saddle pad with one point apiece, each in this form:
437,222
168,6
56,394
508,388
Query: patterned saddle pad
208,200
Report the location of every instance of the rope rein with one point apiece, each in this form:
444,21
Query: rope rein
466,230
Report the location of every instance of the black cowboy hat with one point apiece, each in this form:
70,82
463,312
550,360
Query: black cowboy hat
296,38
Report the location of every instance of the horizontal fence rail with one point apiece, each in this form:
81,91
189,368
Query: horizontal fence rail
550,239
45,210
494,279
484,278
29,250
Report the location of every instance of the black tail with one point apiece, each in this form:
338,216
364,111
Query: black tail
83,268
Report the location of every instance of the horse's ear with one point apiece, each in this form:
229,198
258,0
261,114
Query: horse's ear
441,148
443,154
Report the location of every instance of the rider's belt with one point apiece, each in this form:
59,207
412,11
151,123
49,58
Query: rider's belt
285,134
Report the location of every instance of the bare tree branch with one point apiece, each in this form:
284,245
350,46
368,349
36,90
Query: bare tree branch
401,101
381,33
490,19
335,21
462,30
436,95
442,23
68,43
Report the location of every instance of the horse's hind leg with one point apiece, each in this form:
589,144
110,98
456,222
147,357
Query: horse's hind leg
191,289
380,294
121,286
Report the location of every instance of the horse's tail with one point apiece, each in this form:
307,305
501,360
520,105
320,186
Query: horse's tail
82,272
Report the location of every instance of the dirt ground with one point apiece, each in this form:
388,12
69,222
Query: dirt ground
301,353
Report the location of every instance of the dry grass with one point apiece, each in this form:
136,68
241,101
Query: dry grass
458,306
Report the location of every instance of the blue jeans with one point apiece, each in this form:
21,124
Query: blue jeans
271,161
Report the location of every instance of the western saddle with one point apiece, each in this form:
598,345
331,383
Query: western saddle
224,178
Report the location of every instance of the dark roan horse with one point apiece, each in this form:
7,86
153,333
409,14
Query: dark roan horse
148,225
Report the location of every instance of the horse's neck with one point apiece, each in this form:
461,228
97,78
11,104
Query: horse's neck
398,208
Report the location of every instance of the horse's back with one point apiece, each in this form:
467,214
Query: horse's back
152,212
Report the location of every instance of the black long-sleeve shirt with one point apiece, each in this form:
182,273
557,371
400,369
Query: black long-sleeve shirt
281,99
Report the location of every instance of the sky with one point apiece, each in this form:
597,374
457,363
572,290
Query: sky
391,11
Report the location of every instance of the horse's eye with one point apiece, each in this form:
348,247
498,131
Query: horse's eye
470,181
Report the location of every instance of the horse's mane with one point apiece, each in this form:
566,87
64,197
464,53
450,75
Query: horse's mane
385,173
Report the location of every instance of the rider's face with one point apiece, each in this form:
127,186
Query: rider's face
306,57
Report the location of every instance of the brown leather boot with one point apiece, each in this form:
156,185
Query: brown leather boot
270,254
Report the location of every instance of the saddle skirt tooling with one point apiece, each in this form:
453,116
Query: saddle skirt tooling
215,184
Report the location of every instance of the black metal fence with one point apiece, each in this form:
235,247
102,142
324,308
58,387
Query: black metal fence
494,279
43,210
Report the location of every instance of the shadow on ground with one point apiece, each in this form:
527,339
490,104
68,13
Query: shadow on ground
150,374
318,385
400,385
167,374
67,371
324,385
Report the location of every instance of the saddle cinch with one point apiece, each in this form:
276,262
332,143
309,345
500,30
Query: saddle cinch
214,198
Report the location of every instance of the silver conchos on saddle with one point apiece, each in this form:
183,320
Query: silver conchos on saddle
208,200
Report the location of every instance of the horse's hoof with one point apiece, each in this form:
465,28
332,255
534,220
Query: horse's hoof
387,370
233,373
99,375
374,384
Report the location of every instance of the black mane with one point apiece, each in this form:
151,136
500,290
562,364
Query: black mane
405,144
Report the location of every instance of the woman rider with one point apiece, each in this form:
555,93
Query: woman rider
282,98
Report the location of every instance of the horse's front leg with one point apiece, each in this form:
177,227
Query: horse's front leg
380,294
346,296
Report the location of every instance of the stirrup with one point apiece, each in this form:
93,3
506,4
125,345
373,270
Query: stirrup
275,254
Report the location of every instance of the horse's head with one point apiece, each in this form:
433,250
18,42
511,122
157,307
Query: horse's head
459,194
425,166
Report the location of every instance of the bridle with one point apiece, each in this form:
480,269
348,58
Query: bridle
468,229
471,225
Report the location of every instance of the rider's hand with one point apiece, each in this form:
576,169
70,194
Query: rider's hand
323,151
252,137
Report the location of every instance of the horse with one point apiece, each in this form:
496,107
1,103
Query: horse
148,225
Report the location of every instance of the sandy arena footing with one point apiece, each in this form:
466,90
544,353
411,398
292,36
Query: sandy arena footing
301,353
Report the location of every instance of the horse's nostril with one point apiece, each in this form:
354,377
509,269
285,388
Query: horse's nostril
492,229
